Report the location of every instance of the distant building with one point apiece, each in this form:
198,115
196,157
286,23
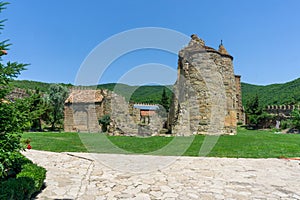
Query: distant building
83,109
146,111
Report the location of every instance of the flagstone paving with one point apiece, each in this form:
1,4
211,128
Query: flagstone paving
90,176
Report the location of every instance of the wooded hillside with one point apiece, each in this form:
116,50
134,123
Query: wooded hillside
275,94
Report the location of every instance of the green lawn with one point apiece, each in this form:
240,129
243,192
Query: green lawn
246,144
57,142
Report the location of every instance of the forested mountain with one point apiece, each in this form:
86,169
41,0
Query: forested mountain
33,85
141,94
275,94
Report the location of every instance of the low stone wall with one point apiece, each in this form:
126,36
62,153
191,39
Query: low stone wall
281,110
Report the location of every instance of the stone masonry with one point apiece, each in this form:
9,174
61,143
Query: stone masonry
206,97
206,100
115,176
282,111
84,107
241,116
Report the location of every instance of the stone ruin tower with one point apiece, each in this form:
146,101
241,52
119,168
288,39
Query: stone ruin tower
206,96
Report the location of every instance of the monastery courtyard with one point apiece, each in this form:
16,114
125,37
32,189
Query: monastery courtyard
109,176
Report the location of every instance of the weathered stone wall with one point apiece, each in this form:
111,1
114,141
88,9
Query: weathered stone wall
204,100
82,117
68,119
122,121
134,113
84,108
240,109
126,119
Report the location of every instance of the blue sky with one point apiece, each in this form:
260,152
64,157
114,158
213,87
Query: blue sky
56,36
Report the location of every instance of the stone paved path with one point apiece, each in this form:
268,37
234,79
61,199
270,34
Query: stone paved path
103,176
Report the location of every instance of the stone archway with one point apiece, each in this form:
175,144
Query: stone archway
81,120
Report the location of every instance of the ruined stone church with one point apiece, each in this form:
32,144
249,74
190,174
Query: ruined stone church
206,100
207,93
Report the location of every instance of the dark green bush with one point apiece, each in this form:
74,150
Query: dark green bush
104,121
17,188
12,162
27,182
37,173
284,124
296,119
18,160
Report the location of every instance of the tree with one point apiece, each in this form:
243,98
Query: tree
296,118
165,100
253,111
37,107
13,115
56,100
257,117
104,121
253,107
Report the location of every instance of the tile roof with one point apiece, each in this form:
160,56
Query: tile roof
85,96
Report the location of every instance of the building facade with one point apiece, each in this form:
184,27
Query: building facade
206,100
207,94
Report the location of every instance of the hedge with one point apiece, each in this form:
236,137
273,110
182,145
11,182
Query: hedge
38,174
17,188
27,182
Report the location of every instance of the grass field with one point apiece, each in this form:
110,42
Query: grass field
246,144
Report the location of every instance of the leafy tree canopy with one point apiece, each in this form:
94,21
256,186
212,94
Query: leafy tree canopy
56,99
14,116
165,100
